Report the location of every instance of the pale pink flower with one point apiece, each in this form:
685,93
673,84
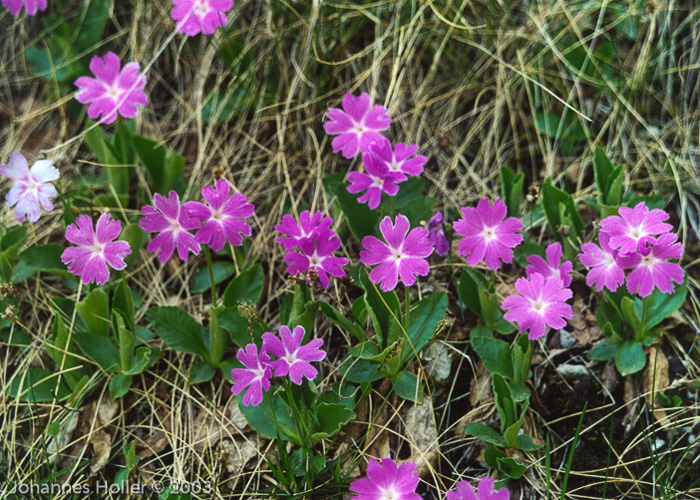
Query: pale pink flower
401,255
635,227
200,16
653,270
317,255
464,491
113,91
550,268
221,217
376,181
606,265
387,481
31,6
541,303
398,159
173,225
308,228
256,374
487,236
294,359
436,234
96,248
357,125
32,188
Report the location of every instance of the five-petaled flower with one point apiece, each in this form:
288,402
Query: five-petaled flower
653,270
307,229
32,188
256,374
541,303
401,255
294,359
398,159
173,225
387,481
376,181
487,236
635,227
96,248
550,268
357,125
317,255
221,217
606,264
113,91
31,6
484,491
200,16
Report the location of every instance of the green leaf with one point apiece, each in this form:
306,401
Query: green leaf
602,168
525,443
512,189
331,418
408,386
471,286
123,301
142,360
420,210
630,358
45,257
37,385
119,385
510,467
631,317
271,418
126,340
236,325
491,456
93,18
485,433
99,349
494,353
94,310
163,167
560,209
504,401
59,348
359,370
201,372
337,318
410,191
602,351
384,308
360,219
246,286
223,270
179,330
424,320
100,146
135,237
13,238
661,305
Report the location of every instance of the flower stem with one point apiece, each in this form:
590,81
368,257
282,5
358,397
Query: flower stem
393,207
211,275
407,298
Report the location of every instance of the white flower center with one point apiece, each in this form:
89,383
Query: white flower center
389,493
397,254
315,260
649,260
393,166
359,128
202,8
538,306
636,233
489,234
113,91
290,358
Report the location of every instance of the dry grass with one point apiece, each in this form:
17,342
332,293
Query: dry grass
463,80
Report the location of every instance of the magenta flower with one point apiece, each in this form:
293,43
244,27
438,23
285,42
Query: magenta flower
487,236
653,270
377,180
606,265
113,91
173,224
31,6
550,268
635,227
32,189
294,359
436,235
317,255
308,228
387,481
256,374
401,255
398,159
200,16
357,126
541,303
464,491
222,217
96,248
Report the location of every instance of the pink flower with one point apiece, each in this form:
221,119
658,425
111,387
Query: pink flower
195,16
222,218
487,236
436,235
635,227
113,91
541,302
173,224
317,255
32,188
308,228
550,268
464,491
31,6
294,359
378,179
96,248
399,256
357,125
398,160
256,374
606,265
387,481
653,270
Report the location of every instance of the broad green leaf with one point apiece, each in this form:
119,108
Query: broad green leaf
424,320
37,385
408,386
201,372
494,353
93,17
408,194
337,318
631,317
512,189
59,348
602,168
222,270
135,237
661,305
122,300
163,167
471,286
99,349
143,358
419,211
525,443
236,325
560,209
246,286
45,257
119,385
94,311
360,219
630,358
13,238
383,308
485,433
510,467
504,401
511,433
271,418
179,330
602,351
359,370
126,340
331,418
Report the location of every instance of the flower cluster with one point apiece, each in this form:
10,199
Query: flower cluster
358,127
32,188
638,239
200,16
294,360
317,243
31,6
216,222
